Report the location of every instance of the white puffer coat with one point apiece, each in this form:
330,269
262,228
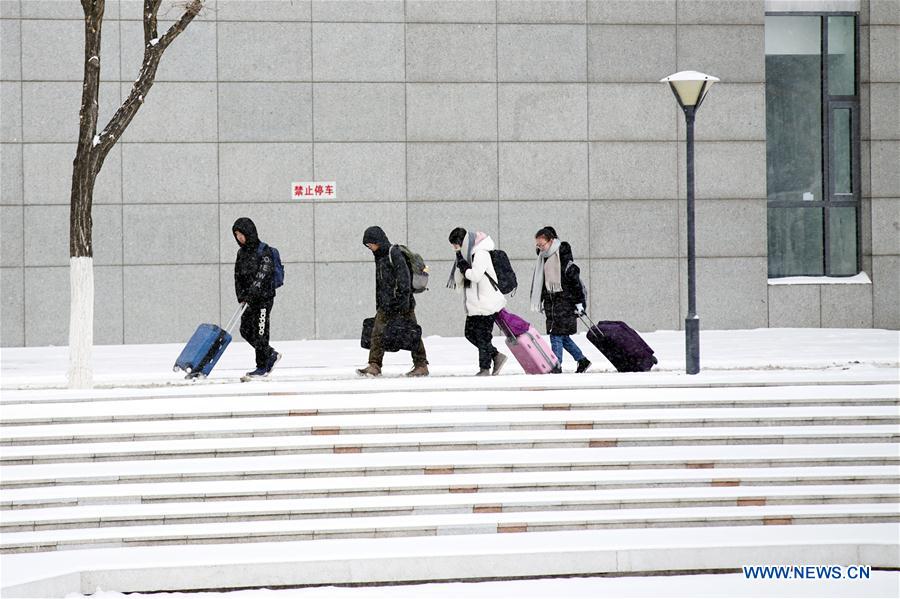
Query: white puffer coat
481,297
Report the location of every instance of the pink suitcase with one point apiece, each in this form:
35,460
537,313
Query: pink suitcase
532,352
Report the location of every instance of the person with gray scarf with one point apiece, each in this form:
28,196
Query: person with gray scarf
556,290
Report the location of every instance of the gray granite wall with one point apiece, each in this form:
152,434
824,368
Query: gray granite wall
500,116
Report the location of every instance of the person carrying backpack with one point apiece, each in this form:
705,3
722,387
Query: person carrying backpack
474,273
257,272
556,290
393,299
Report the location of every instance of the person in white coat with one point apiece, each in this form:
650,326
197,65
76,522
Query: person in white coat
473,272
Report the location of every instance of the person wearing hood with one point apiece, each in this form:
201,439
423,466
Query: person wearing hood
556,291
254,270
474,274
393,298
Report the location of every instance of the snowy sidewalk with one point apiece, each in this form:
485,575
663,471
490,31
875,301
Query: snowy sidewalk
834,350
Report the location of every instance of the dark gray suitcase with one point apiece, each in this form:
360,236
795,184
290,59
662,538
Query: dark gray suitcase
621,345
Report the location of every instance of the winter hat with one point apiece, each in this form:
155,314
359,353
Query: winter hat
457,235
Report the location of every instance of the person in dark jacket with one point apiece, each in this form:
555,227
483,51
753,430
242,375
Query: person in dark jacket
557,292
393,299
254,270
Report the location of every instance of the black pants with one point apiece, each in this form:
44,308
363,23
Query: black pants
479,332
255,330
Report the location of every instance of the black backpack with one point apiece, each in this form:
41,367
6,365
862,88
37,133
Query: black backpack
506,277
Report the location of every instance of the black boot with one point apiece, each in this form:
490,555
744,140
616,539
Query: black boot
583,365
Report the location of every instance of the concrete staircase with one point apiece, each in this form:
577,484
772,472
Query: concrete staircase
234,487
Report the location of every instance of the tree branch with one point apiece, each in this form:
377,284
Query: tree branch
153,51
191,10
151,8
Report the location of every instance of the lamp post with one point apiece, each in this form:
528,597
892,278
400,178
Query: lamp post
690,87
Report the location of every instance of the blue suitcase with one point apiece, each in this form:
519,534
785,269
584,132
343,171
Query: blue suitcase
205,347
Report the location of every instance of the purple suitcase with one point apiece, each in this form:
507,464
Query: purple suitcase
621,345
526,344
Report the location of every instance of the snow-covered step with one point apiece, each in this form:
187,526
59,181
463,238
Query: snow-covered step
453,421
21,390
472,440
469,557
321,405
96,516
508,482
298,458
450,462
444,524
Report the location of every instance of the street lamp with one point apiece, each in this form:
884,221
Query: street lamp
690,88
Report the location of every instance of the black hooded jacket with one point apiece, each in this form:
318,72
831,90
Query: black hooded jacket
393,283
559,307
253,271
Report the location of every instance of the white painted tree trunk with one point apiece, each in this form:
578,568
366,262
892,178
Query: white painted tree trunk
81,322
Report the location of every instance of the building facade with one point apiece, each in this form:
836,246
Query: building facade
501,116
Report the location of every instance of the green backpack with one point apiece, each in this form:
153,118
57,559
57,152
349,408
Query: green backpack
417,269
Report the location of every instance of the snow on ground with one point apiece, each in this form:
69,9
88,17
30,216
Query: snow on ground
880,584
745,357
758,349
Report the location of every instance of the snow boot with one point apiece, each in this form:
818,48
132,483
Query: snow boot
483,372
418,371
372,370
499,361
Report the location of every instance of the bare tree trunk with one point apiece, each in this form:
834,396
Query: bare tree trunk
89,157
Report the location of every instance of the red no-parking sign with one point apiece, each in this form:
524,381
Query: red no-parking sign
313,189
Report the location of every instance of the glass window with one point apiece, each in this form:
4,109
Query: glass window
795,242
841,56
842,240
812,145
841,158
793,108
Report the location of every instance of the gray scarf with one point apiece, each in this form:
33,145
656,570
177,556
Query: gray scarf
547,264
468,245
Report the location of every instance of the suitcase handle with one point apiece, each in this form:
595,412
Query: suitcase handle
586,320
232,322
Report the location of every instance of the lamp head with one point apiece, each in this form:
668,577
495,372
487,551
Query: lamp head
689,87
